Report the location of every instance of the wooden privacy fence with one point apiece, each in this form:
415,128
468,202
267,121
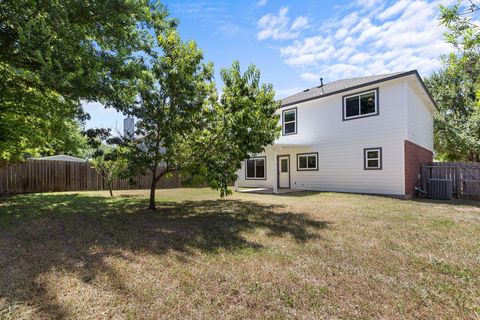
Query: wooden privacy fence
465,176
50,176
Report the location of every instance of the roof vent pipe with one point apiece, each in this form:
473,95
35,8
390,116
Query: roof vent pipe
321,82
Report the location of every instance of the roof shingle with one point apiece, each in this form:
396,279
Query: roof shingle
339,86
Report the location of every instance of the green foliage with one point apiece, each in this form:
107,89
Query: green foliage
29,116
456,88
110,164
53,54
107,158
462,32
241,124
183,126
69,139
456,124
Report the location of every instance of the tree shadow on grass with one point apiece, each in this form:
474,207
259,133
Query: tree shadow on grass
76,233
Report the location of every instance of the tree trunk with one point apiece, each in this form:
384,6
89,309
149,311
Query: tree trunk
472,157
110,187
152,190
152,197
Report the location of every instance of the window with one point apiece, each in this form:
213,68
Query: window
360,105
289,121
307,161
372,158
256,168
284,165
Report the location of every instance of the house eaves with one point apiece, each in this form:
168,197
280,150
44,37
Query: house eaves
345,85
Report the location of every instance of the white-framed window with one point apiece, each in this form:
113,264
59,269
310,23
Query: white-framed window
372,158
256,168
307,161
363,104
289,121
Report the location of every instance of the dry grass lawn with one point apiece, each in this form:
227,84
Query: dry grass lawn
303,255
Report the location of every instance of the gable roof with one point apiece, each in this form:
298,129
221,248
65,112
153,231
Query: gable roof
343,85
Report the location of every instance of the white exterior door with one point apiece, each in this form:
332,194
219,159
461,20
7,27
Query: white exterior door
284,172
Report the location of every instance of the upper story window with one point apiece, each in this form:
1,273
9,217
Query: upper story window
307,161
289,121
256,168
360,105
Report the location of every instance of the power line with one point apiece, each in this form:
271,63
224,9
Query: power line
473,7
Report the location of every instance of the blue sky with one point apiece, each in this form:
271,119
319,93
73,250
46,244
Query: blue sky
294,43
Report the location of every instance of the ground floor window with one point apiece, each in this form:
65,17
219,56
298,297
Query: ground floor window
256,168
307,161
372,158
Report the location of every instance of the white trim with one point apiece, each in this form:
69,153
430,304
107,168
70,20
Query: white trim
275,165
314,154
264,159
286,122
379,152
360,115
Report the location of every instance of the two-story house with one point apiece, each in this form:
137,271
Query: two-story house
365,135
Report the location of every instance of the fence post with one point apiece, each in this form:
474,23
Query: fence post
459,181
424,177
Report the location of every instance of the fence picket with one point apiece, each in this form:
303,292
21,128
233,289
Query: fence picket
465,176
49,176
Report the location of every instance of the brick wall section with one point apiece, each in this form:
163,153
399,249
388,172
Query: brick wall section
414,157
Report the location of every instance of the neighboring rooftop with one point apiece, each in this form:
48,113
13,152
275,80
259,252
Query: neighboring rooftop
342,85
62,157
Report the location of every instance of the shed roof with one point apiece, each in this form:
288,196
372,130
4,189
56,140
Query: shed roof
62,157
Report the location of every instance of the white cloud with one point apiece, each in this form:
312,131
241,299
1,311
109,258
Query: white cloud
308,51
341,33
282,93
371,37
308,76
215,14
359,58
395,9
299,23
261,3
368,3
228,29
278,26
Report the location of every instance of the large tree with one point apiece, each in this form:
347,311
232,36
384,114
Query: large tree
183,126
456,87
54,54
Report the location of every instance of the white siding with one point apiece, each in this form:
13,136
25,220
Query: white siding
340,144
420,119
268,182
